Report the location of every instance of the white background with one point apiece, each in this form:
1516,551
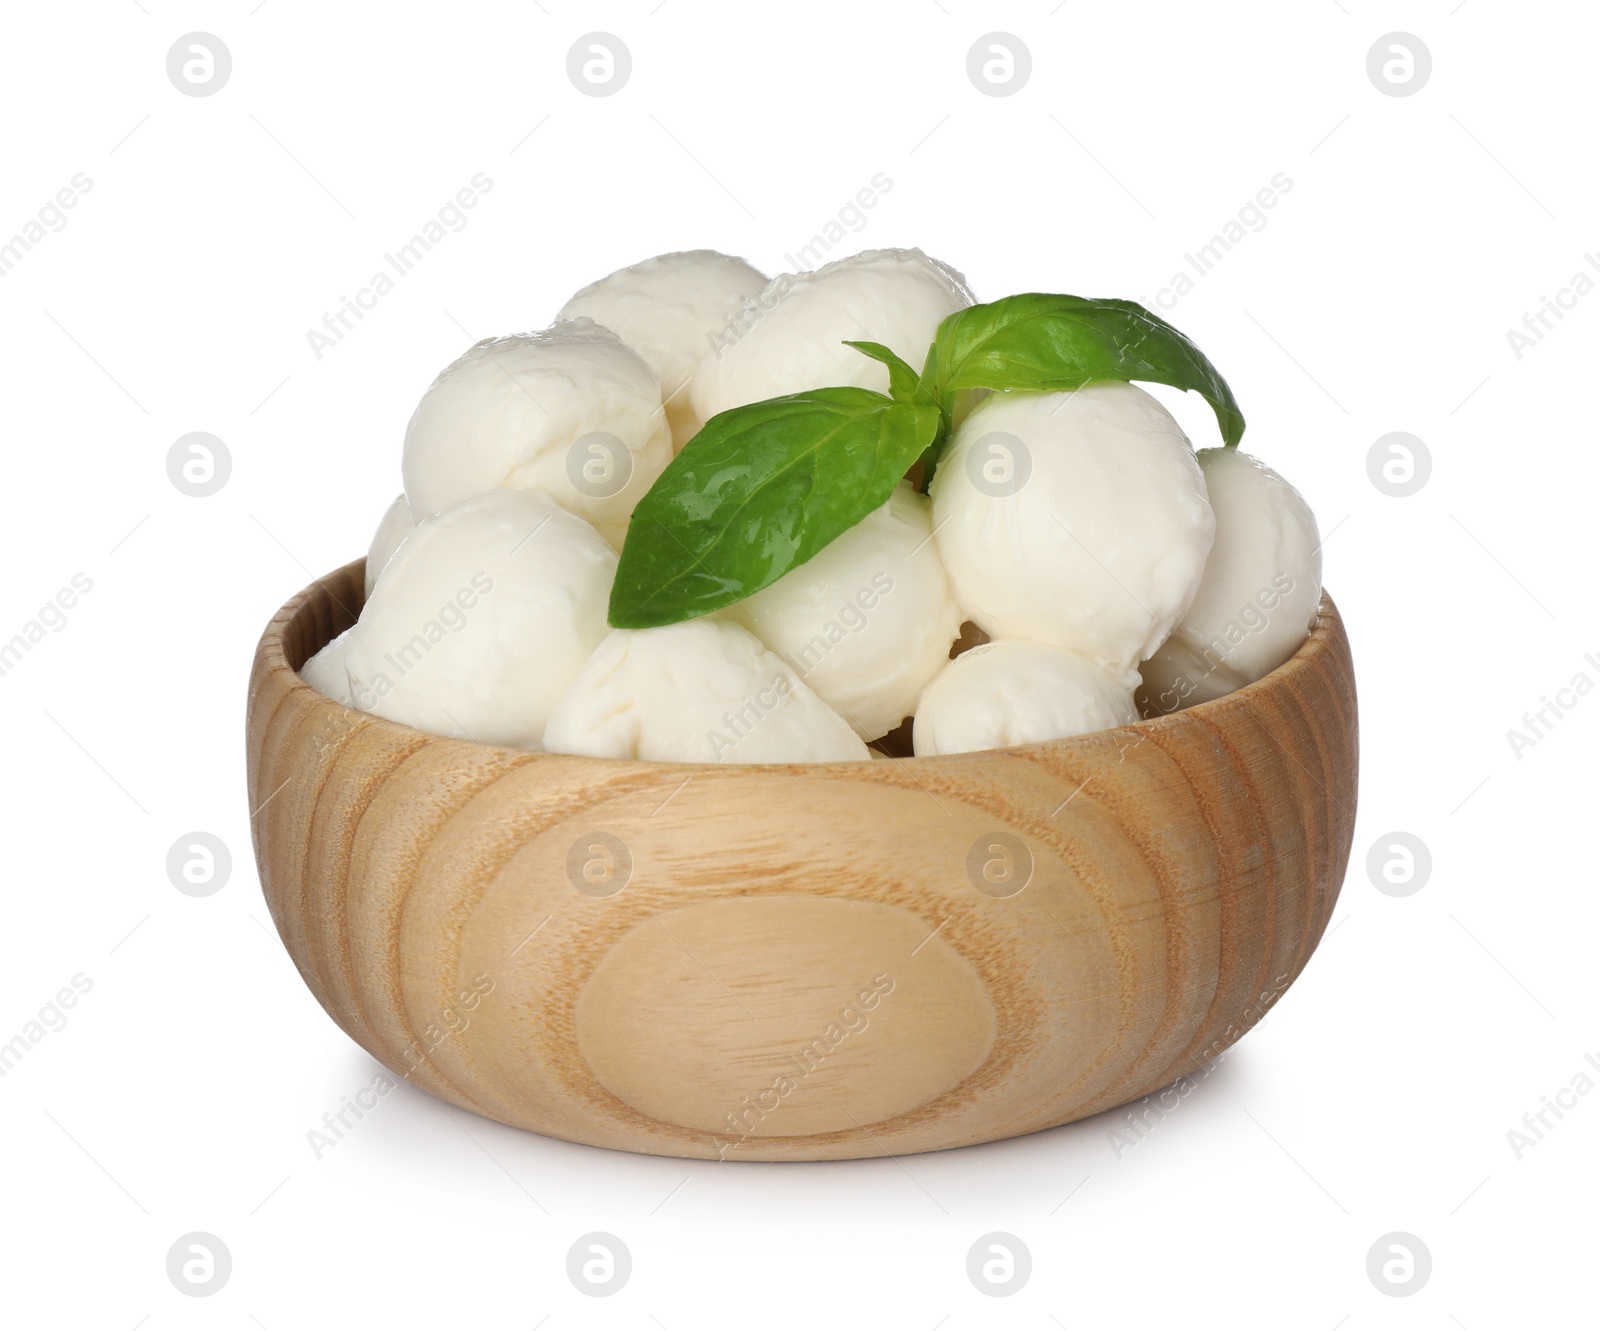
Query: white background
1379,1093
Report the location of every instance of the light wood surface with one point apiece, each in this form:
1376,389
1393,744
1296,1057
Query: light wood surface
803,962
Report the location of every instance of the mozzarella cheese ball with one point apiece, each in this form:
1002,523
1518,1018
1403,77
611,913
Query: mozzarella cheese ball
1016,692
1258,596
867,620
395,526
570,412
790,337
702,691
325,671
1079,519
668,309
482,619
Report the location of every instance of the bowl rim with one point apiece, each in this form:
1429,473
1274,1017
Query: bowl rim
272,655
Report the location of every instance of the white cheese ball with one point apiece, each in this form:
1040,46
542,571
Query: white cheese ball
1079,519
570,412
669,309
704,691
1258,596
1016,692
326,673
395,526
867,620
790,337
482,619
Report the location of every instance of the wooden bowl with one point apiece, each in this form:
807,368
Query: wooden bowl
808,962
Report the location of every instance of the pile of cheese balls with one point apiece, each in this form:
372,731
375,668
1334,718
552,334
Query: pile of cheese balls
1074,566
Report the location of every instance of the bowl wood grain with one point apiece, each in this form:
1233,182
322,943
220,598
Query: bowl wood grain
800,962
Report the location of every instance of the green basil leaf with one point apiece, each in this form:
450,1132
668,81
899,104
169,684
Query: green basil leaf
904,383
757,492
1048,343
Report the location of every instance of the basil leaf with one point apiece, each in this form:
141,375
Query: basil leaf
904,383
1048,343
757,492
